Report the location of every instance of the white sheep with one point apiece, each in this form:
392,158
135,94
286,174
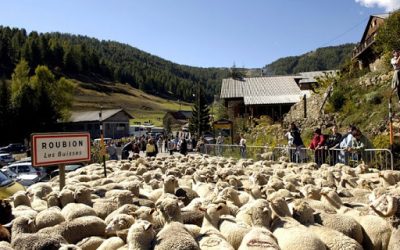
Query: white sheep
210,237
78,229
90,243
259,239
119,222
140,235
75,210
112,243
232,230
175,236
49,217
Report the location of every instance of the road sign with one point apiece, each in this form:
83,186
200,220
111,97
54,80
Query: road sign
60,148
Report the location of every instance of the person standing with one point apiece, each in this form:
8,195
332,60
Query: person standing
299,153
332,144
243,146
395,61
112,151
160,144
151,149
183,149
317,144
345,145
220,141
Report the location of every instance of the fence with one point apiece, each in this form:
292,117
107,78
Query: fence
379,158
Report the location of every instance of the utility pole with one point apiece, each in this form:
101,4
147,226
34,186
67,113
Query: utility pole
390,125
198,111
102,146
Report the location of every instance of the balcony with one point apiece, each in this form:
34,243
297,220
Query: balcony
361,47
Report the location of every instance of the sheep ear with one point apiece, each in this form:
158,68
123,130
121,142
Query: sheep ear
30,221
147,226
220,207
152,211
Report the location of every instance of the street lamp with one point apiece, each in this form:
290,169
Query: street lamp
102,147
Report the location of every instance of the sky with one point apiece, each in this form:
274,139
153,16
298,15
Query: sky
204,33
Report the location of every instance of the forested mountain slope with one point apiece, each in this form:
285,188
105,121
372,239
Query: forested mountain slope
321,59
90,59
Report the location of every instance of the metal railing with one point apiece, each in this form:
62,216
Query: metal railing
378,158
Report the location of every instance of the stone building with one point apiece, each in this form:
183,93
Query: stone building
115,123
363,53
256,96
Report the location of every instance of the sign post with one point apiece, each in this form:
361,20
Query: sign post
49,149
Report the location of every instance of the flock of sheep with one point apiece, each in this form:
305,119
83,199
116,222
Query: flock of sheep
201,202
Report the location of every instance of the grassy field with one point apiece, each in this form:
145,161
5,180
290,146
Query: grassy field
144,107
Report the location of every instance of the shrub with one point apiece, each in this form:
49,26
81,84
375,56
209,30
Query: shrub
374,98
337,100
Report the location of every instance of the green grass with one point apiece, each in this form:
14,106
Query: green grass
142,106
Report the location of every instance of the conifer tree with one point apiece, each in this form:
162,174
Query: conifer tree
200,120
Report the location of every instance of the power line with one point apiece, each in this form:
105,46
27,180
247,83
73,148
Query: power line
344,33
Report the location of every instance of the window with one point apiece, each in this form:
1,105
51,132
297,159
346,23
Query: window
24,169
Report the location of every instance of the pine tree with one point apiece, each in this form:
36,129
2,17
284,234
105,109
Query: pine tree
200,120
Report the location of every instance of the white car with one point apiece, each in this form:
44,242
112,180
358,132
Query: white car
26,173
6,159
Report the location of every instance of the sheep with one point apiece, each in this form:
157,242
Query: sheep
341,223
6,212
69,247
37,241
112,243
140,235
210,237
23,225
333,239
170,210
48,218
5,245
86,226
4,234
258,239
90,243
75,210
21,198
232,230
65,197
119,222
40,189
175,236
83,195
125,209
104,207
292,235
256,213
24,236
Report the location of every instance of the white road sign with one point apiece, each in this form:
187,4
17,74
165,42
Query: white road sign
60,148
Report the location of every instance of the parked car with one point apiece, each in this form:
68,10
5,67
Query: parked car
5,159
13,148
68,168
209,138
27,174
8,187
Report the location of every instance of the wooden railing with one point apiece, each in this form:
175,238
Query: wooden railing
361,47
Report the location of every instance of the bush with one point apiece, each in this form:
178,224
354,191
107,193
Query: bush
337,100
374,98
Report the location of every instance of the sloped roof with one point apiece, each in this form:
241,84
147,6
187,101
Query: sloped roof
91,116
262,90
307,77
181,115
382,16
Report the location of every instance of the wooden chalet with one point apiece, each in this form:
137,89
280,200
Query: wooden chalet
363,53
256,96
115,123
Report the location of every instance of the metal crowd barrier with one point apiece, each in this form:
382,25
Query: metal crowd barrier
379,158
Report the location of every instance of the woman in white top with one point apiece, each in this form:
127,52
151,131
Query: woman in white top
242,145
396,75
